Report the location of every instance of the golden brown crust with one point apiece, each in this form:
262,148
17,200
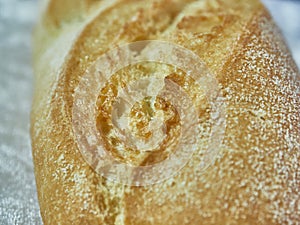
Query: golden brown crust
254,179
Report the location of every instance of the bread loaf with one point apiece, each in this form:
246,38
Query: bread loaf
253,176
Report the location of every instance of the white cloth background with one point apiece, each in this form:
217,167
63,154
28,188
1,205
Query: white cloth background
18,199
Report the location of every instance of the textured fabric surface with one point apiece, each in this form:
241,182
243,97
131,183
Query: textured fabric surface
18,199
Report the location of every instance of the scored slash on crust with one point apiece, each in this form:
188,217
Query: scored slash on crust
90,142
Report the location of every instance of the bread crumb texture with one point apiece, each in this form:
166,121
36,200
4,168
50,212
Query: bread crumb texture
255,178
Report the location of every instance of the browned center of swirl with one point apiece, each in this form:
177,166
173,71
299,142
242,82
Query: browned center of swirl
141,115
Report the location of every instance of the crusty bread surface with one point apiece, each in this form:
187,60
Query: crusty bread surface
255,178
